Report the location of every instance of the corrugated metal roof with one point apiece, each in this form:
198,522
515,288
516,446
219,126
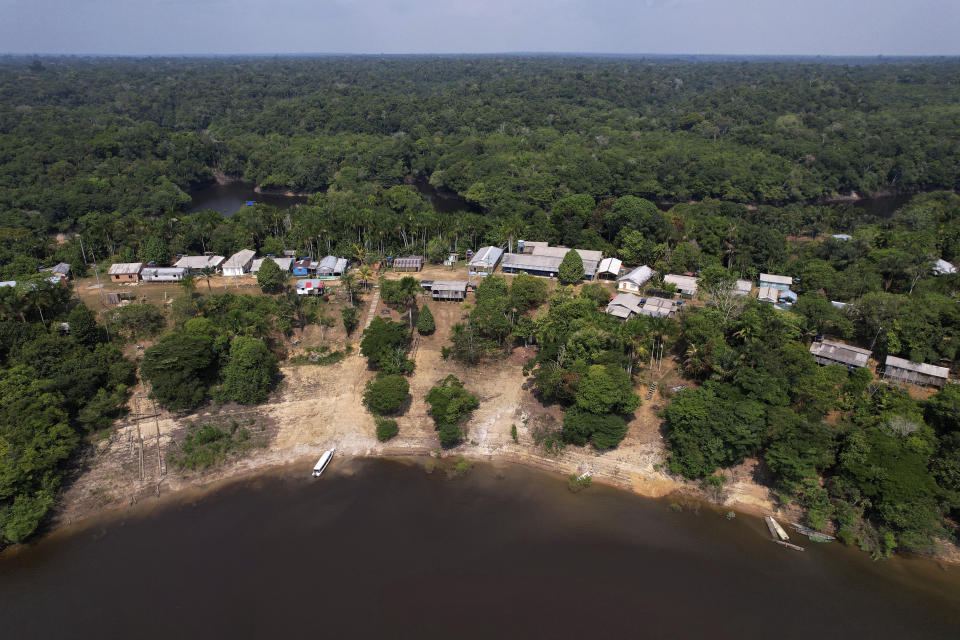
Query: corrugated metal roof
486,257
743,286
199,262
530,262
775,279
309,283
240,259
942,267
125,268
626,301
409,261
919,367
768,294
686,284
659,307
283,263
639,275
840,352
610,265
449,285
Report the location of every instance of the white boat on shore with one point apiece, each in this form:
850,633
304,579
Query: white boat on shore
323,462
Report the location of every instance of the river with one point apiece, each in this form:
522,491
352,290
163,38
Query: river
230,198
380,548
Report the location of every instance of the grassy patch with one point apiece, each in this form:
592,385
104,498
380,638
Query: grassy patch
208,445
321,356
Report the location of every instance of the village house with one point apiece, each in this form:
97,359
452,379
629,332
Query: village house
943,268
686,285
309,286
408,263
163,274
283,263
609,269
197,264
484,261
828,352
636,280
659,308
540,259
624,306
917,373
125,271
780,283
742,287
239,263
448,290
331,267
60,270
767,294
303,267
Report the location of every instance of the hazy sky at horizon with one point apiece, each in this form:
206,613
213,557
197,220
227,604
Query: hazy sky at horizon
779,27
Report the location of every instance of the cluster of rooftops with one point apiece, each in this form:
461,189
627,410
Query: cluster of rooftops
241,263
541,259
827,352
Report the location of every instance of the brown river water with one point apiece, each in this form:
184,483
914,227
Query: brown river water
379,548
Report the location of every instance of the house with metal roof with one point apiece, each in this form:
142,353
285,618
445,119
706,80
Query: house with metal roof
609,269
624,306
659,308
827,352
409,263
163,274
309,287
742,287
842,236
60,270
448,290
943,268
196,264
331,267
686,285
125,271
239,263
781,283
283,263
485,261
540,259
636,280
302,267
768,294
915,372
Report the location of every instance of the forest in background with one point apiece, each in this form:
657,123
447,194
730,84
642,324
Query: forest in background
573,151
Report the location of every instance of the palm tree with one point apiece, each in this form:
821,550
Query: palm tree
512,228
348,281
366,275
188,284
206,273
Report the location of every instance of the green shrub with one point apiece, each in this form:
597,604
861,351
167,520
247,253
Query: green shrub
386,428
386,394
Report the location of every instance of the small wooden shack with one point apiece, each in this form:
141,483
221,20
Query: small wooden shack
915,372
409,263
827,352
449,290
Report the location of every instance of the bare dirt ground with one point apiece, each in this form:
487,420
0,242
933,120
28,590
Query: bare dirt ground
316,407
